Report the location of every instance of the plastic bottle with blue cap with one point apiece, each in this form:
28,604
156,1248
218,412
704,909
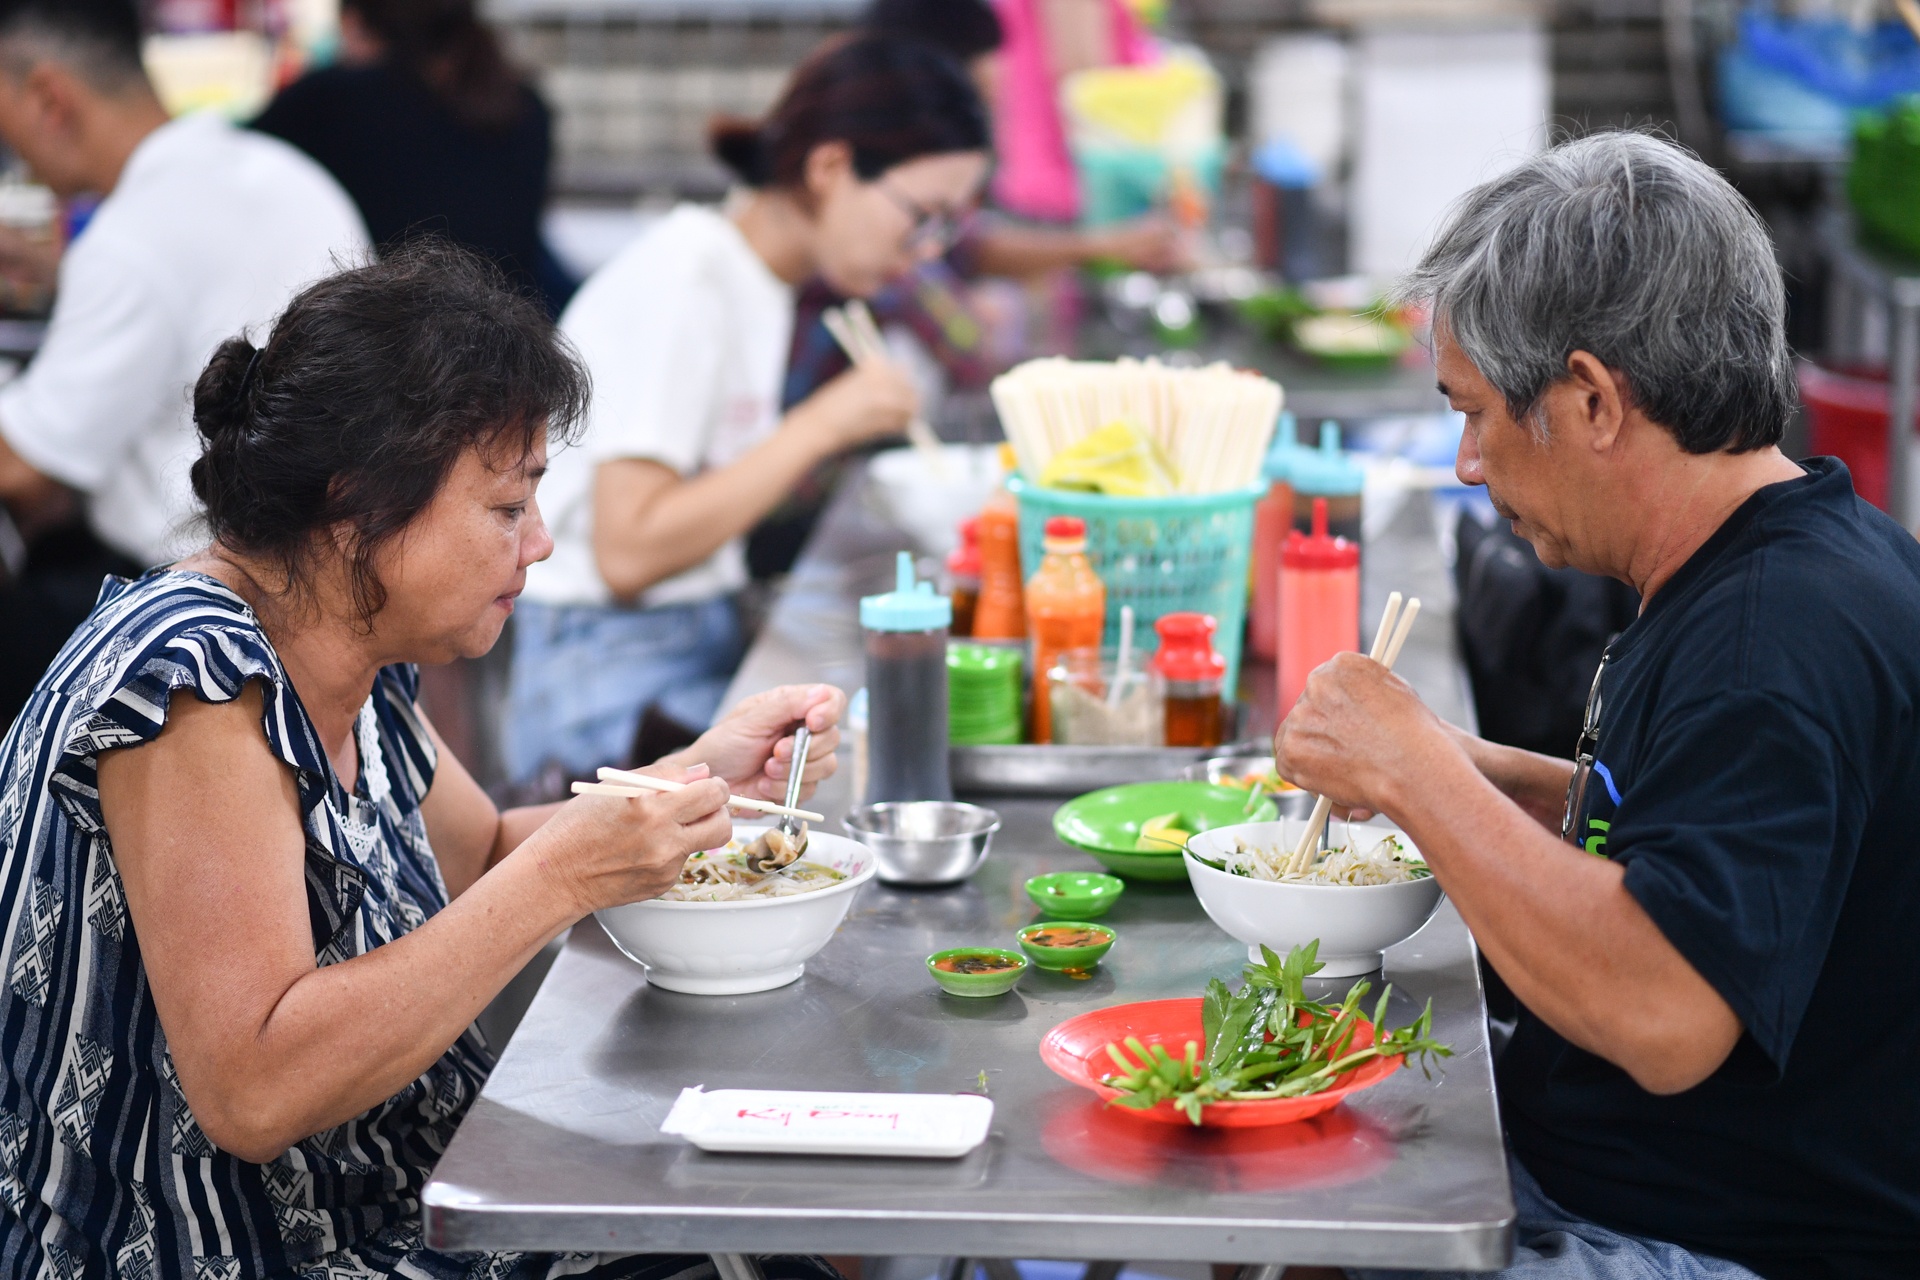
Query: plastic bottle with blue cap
904,634
1285,207
1331,473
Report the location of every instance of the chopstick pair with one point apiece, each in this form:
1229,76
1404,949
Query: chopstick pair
1387,642
853,327
619,782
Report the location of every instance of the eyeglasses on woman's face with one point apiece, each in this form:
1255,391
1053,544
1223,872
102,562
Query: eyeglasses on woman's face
929,231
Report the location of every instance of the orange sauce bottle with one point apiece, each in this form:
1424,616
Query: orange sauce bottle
1066,609
999,612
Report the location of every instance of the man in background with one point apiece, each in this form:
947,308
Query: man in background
203,231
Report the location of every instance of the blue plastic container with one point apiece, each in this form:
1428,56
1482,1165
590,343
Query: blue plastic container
1118,184
1186,553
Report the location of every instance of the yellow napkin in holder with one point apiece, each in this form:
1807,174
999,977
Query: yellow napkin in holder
1119,460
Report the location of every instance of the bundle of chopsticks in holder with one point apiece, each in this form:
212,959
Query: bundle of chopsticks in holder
1213,424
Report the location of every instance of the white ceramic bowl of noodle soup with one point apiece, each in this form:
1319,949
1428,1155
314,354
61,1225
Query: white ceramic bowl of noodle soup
1354,923
928,504
754,944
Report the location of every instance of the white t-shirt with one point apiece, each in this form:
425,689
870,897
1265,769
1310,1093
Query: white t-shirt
208,234
686,334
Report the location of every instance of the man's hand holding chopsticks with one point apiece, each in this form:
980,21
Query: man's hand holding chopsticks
1359,735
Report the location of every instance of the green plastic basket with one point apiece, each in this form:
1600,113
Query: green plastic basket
1161,555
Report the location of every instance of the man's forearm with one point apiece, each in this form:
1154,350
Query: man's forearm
1561,928
1537,783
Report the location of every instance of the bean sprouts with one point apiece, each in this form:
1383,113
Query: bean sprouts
1386,862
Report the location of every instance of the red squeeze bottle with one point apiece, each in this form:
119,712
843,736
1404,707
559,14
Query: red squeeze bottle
1319,603
1272,519
1195,677
1066,609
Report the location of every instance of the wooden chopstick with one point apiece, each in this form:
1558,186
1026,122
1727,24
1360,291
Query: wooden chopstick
853,327
619,782
1387,642
1909,14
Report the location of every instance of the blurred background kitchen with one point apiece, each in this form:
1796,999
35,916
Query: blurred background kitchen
1273,163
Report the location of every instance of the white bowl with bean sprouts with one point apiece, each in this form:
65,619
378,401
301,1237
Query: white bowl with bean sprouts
718,934
1368,891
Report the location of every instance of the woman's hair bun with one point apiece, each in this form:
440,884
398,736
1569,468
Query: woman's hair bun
220,408
737,144
377,380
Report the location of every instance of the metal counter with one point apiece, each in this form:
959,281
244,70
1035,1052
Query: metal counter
563,1149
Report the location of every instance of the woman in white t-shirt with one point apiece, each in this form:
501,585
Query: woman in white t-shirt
855,176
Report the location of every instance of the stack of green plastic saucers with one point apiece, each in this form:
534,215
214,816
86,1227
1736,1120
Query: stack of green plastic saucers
983,695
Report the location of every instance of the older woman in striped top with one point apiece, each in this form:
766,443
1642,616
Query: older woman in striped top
253,905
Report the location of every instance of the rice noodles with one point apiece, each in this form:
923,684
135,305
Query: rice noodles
1386,862
721,875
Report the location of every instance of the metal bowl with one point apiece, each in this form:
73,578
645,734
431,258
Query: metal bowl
1293,804
924,842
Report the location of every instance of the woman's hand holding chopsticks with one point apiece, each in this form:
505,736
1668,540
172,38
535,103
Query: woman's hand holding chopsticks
608,849
867,402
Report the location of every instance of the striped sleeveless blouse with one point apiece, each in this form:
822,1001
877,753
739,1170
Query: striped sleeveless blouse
103,1171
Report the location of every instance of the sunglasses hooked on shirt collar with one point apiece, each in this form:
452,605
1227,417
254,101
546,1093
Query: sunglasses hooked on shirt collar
1583,754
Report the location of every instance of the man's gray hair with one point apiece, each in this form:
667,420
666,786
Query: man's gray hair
1630,248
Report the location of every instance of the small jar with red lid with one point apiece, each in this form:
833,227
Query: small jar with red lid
963,576
1195,676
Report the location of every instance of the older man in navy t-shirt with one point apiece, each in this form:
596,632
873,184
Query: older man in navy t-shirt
1711,916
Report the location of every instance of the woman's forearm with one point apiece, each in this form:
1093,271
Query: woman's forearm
344,1037
649,524
1016,252
516,825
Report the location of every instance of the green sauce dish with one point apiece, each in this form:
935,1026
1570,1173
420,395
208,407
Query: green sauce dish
1075,895
976,971
1066,944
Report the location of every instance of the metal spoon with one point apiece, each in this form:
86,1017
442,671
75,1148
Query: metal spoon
780,846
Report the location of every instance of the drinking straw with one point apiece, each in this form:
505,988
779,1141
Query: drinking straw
1123,658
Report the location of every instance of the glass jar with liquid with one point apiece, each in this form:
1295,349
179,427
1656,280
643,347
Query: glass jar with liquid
1194,675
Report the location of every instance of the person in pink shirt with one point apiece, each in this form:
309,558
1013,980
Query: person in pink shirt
1045,41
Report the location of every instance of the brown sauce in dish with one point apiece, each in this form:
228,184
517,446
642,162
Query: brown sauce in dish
1067,938
975,963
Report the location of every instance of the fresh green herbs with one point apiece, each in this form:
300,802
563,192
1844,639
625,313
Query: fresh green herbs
1268,1041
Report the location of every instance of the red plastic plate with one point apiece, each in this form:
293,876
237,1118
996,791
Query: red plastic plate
1077,1052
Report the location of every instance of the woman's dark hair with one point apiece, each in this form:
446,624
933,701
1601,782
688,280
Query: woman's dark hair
961,29
890,100
100,39
373,384
445,45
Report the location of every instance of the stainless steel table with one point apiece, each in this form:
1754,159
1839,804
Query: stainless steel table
563,1148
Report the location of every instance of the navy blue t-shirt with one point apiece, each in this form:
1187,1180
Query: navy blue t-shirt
1758,776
